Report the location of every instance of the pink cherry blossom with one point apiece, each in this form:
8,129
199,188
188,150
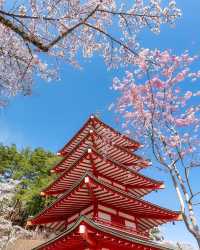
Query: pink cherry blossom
156,82
188,95
68,29
160,102
160,109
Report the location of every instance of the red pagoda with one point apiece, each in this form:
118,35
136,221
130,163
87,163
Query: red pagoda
99,193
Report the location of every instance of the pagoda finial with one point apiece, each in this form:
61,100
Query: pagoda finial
180,217
89,150
87,179
162,186
82,229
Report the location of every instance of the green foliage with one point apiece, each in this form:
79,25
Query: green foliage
32,168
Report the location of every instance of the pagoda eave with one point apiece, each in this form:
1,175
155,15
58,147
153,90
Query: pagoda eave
93,161
80,197
85,233
120,154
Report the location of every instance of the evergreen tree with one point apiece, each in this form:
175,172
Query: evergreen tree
32,169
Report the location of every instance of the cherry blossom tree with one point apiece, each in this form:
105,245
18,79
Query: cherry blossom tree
159,107
9,233
34,30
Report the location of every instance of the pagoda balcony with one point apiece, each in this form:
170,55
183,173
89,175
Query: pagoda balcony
121,227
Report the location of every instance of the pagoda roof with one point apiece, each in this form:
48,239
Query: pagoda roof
79,197
101,128
115,173
92,138
72,239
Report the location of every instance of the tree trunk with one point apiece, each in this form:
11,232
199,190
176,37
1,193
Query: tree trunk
197,237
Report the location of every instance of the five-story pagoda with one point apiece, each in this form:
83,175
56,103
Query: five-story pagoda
99,194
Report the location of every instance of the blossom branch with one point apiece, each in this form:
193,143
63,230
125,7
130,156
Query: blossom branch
171,121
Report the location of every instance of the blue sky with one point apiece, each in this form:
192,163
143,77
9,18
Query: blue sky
56,110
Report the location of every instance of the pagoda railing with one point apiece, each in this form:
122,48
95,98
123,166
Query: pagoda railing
121,227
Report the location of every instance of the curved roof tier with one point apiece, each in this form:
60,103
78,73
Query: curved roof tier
98,236
107,169
88,188
106,148
103,129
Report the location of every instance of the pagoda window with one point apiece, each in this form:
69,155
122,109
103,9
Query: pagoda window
130,225
104,216
118,220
